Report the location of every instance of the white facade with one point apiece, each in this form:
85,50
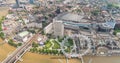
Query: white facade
48,29
58,27
23,36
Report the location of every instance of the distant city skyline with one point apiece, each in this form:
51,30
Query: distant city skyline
31,1
17,3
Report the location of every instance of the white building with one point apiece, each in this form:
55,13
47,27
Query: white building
58,28
48,29
23,36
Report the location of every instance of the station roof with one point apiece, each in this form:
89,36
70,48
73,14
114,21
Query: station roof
71,17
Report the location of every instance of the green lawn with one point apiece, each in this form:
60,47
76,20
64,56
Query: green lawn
48,45
68,50
56,45
69,42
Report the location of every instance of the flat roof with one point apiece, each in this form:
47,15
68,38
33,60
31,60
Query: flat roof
24,33
111,23
71,17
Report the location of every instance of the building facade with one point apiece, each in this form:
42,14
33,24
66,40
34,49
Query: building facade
58,27
48,29
17,3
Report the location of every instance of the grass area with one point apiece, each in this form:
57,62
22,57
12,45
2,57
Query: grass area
118,5
116,31
56,45
5,49
52,43
68,49
37,58
48,45
68,44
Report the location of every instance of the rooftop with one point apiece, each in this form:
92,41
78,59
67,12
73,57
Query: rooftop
24,33
71,17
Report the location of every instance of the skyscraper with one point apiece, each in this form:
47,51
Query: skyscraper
17,3
58,27
31,1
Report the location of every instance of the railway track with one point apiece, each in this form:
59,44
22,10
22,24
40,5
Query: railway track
15,55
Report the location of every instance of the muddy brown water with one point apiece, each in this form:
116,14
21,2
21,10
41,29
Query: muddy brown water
102,59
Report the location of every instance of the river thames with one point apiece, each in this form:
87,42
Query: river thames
102,59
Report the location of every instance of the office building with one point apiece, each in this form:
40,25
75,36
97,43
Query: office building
31,1
58,27
17,3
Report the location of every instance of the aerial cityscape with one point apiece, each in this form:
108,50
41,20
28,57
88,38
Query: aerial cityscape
59,31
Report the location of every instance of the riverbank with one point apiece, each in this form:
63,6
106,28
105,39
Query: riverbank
39,58
42,58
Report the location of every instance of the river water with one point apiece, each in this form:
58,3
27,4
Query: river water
102,59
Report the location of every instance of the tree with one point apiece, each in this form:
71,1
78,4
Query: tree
12,43
47,51
35,44
50,15
55,51
50,51
110,6
19,44
31,50
70,41
42,32
61,52
60,39
44,23
35,49
2,35
3,18
114,33
40,50
0,27
44,50
95,12
45,17
32,31
49,35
